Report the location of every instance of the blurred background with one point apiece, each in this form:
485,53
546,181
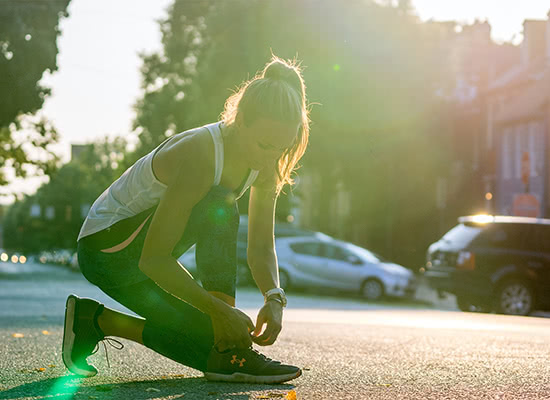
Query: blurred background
422,111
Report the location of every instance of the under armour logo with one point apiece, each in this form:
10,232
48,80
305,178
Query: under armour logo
235,359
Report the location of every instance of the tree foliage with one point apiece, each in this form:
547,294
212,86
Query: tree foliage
63,202
28,48
372,73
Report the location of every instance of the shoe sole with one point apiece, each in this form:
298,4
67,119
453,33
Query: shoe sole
68,339
246,378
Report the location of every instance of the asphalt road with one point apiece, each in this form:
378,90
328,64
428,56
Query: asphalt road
348,349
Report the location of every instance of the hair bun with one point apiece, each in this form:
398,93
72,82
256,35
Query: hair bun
278,70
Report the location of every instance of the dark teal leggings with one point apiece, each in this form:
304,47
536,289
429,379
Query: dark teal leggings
173,328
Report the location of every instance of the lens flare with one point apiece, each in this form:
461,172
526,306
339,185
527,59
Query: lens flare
65,386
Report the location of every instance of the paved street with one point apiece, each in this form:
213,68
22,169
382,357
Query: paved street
348,349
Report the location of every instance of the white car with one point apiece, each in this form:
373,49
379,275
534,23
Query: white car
323,262
319,261
188,261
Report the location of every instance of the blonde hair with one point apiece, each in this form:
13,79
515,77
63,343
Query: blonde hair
278,93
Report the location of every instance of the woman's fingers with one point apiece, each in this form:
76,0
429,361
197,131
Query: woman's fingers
234,331
250,324
247,320
259,324
270,335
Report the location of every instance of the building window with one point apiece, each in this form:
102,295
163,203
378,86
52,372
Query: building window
536,148
507,153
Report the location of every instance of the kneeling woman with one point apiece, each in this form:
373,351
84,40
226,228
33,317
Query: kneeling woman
182,193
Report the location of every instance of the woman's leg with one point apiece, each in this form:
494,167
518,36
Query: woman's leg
216,252
115,323
171,327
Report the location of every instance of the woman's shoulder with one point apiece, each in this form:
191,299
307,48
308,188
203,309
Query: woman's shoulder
193,148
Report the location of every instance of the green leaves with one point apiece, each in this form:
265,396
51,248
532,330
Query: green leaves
28,48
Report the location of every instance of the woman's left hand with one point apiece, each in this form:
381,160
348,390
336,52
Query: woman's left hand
271,314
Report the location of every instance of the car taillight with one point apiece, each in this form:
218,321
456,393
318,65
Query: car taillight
466,260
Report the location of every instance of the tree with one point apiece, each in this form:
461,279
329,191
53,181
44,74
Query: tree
164,106
28,48
63,202
373,72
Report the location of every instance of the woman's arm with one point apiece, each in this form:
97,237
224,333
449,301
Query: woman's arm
261,241
261,256
190,182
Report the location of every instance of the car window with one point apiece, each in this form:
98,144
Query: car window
306,248
504,236
336,252
462,235
365,254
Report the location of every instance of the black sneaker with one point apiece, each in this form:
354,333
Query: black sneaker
247,365
81,334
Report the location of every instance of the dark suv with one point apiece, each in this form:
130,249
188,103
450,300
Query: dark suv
494,263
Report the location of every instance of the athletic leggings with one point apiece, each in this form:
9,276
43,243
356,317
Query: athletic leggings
173,328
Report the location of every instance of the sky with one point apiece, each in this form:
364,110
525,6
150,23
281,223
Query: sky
98,79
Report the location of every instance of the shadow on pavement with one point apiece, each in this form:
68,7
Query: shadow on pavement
71,387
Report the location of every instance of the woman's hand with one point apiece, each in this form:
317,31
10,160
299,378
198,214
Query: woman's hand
232,327
272,315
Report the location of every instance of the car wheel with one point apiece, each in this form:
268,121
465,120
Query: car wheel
284,280
372,289
514,297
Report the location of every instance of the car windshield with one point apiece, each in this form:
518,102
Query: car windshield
365,254
462,235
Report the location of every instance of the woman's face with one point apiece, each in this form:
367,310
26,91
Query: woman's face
266,141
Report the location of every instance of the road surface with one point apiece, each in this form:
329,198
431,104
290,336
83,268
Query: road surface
347,348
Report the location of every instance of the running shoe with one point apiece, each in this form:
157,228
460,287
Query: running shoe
81,334
247,365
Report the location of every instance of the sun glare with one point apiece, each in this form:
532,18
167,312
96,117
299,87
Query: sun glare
482,218
505,16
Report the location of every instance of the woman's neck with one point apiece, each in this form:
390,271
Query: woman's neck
234,153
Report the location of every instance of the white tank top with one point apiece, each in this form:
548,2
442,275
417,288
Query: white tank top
138,189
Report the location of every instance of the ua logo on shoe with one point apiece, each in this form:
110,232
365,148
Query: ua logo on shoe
235,359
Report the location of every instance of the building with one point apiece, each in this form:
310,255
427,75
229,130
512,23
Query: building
518,128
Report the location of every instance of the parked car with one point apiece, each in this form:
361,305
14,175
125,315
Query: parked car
59,257
494,263
282,229
318,261
324,262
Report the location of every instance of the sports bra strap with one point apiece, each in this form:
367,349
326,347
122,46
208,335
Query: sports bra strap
216,134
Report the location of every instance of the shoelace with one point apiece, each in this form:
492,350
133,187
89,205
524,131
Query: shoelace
112,342
260,355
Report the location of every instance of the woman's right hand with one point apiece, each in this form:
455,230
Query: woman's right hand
232,327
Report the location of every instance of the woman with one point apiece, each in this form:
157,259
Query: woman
185,192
